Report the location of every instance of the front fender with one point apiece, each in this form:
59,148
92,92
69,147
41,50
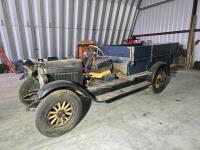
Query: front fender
61,84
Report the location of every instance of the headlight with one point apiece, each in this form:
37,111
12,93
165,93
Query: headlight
30,72
42,79
40,70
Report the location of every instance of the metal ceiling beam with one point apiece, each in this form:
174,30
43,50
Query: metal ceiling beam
165,33
156,4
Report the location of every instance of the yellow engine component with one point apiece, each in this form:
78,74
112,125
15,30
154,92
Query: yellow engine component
99,75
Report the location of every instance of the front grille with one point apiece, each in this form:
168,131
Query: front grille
72,76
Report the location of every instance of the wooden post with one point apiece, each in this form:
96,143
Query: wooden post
191,36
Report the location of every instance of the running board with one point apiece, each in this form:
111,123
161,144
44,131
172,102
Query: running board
118,84
138,75
118,94
104,88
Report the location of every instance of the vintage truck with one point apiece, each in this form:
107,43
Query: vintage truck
55,88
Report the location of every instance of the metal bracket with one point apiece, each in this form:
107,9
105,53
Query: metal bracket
132,51
151,53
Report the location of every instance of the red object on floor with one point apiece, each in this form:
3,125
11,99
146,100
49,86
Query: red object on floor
6,60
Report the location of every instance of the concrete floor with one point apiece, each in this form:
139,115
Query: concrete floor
140,121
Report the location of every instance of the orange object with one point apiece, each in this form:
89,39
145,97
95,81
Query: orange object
8,63
86,43
83,47
82,50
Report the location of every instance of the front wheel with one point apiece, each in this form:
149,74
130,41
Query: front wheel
160,81
58,113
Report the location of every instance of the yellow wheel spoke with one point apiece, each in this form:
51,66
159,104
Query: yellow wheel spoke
57,121
66,106
52,112
66,118
53,120
52,117
63,105
59,106
68,113
69,109
61,121
56,109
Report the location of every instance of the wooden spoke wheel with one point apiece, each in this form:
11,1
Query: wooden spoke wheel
58,113
160,81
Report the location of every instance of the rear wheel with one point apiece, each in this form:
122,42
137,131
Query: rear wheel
28,91
160,81
58,113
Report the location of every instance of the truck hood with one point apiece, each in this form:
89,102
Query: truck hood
65,65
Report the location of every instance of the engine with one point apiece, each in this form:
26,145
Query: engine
69,69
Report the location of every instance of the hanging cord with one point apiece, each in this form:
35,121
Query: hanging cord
98,49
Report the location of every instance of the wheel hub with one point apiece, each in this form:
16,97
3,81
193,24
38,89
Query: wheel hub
159,80
61,113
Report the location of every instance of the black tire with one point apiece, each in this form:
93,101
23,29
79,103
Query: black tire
44,123
29,84
160,81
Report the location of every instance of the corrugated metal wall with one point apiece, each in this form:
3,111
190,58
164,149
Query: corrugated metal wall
171,16
42,28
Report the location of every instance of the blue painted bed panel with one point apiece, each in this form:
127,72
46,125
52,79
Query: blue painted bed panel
119,54
136,68
142,53
118,51
142,56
